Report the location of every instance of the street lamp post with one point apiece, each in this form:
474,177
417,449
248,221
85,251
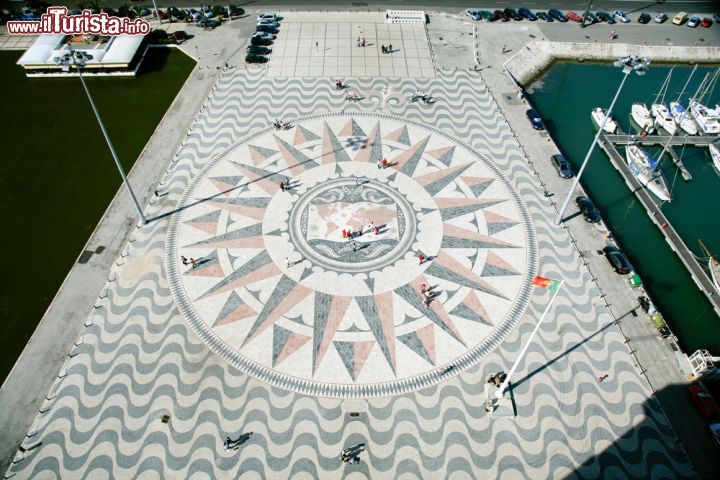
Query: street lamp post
78,59
632,63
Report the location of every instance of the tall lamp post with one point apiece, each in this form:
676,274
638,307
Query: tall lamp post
632,63
78,59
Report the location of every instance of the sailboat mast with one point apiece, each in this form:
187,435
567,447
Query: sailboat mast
664,87
686,84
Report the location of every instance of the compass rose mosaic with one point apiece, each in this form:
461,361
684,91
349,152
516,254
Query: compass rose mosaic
436,271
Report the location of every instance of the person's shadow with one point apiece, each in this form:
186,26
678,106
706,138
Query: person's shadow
240,440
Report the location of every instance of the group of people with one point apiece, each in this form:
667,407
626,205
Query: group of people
338,85
382,164
387,49
353,97
427,294
280,125
350,234
420,95
352,454
361,42
285,185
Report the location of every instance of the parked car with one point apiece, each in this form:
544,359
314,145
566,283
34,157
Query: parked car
693,22
605,17
544,16
571,15
259,49
563,167
535,119
703,401
473,14
617,259
512,13
260,40
263,36
526,13
644,18
267,29
621,16
207,12
180,36
207,23
680,18
590,18
253,58
557,15
706,22
144,12
661,17
268,16
500,15
716,16
486,15
588,209
272,23
236,11
714,431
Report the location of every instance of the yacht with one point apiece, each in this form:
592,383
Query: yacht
644,168
683,119
715,155
663,118
598,115
642,117
713,266
707,119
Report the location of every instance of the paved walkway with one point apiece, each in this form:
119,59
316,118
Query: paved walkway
138,360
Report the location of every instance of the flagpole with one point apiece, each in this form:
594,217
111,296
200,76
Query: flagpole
501,390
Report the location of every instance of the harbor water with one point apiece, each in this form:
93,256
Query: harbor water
564,96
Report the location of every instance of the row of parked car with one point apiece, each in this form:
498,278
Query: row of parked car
266,30
556,15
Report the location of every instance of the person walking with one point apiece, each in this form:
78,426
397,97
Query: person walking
421,257
193,262
227,443
423,288
183,260
354,246
344,233
288,262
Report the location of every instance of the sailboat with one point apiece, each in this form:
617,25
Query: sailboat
660,111
644,168
708,119
682,116
713,266
715,155
641,116
598,115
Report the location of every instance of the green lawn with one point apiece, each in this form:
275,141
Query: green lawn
58,176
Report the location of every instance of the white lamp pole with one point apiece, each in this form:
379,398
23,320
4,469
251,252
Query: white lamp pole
629,64
157,12
78,59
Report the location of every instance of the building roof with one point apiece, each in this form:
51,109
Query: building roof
119,51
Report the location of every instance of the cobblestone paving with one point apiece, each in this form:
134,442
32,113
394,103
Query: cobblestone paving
138,359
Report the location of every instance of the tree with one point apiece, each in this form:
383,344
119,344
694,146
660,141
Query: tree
220,11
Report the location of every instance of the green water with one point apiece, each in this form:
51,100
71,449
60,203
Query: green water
58,176
564,96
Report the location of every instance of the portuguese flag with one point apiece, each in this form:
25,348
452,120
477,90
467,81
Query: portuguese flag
548,283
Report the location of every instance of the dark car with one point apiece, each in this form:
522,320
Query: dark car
253,58
267,29
486,15
259,50
617,259
590,18
208,23
512,13
562,166
544,16
557,15
644,18
605,17
535,119
588,209
703,401
526,13
500,15
716,16
260,41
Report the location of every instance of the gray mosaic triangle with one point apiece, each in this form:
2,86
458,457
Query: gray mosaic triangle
494,228
372,317
479,188
412,341
231,304
446,157
452,212
263,173
280,338
260,260
446,274
211,217
230,180
246,232
465,312
408,168
266,152
376,150
346,350
435,187
299,157
283,287
411,296
337,149
309,136
495,271
356,130
322,310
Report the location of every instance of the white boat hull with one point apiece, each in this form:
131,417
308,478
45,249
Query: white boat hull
708,120
715,155
649,178
683,118
663,118
598,116
641,116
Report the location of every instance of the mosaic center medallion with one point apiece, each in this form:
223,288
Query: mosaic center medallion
436,271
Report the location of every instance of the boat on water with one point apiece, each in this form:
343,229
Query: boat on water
644,168
707,119
683,119
715,155
663,118
641,116
598,115
713,266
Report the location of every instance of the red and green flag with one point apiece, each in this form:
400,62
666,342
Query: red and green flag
548,283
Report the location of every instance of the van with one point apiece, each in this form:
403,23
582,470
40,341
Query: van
680,18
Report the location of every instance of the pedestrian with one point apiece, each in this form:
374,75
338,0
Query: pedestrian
227,443
357,182
282,186
612,35
421,257
349,233
376,230
379,164
363,41
390,48
344,233
193,262
358,41
423,288
384,163
354,245
355,96
184,260
383,49
288,262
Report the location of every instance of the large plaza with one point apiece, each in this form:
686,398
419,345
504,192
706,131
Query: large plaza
244,309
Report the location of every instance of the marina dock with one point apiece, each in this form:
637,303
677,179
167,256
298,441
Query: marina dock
697,271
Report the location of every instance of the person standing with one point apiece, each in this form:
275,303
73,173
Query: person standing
184,260
227,443
421,257
354,247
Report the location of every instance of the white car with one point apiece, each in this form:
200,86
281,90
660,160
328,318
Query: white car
472,14
661,17
621,16
270,16
266,23
264,36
